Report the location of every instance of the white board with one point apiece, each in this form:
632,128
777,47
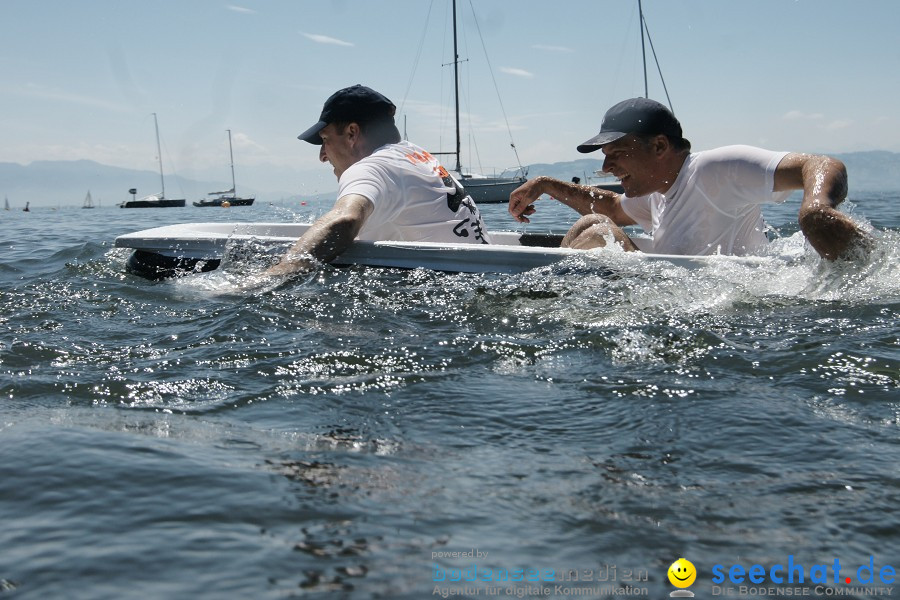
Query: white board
208,241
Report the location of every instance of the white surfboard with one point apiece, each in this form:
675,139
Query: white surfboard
194,247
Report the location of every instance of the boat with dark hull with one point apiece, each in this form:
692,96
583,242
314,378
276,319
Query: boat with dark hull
228,197
154,200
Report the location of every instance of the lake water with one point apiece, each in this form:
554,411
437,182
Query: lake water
376,433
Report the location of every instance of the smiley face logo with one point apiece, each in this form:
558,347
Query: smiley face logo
682,573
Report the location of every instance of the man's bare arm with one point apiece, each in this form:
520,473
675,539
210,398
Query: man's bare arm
327,238
824,183
584,199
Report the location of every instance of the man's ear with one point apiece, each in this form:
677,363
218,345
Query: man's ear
661,144
352,132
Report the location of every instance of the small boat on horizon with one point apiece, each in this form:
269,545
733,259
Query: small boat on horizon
228,197
602,181
88,201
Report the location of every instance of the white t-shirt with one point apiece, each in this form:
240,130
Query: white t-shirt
714,205
415,198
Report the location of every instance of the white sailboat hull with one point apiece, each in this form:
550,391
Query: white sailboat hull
491,190
195,247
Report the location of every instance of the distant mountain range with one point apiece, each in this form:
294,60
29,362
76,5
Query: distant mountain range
65,183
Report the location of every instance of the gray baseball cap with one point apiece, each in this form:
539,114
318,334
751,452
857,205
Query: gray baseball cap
356,103
634,116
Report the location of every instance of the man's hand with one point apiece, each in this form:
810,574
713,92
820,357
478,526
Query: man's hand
521,200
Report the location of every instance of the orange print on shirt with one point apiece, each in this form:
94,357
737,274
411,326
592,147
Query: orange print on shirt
419,157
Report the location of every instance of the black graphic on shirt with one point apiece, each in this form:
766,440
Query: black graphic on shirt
471,225
454,198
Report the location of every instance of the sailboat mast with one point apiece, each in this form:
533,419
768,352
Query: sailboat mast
231,156
456,89
645,29
643,51
162,180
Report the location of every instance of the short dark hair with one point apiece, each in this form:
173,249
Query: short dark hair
381,131
679,144
378,132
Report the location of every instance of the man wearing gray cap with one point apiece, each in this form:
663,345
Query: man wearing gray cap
694,203
388,189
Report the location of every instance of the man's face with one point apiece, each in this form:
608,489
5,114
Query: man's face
337,148
635,164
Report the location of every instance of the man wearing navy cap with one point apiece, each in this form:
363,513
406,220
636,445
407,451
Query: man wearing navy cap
694,203
388,189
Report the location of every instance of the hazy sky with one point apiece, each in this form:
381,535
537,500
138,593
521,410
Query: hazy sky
81,79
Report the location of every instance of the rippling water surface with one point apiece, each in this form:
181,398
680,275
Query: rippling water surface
343,436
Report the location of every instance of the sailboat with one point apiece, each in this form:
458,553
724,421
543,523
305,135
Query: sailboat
88,201
228,197
483,189
154,201
601,179
5,203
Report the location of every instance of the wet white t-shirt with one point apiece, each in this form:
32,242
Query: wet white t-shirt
714,205
415,198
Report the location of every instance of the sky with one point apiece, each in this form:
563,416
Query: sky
81,80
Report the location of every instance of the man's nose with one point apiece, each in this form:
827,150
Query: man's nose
322,156
607,165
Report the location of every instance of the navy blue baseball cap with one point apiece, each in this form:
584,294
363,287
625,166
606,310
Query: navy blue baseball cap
357,104
640,116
